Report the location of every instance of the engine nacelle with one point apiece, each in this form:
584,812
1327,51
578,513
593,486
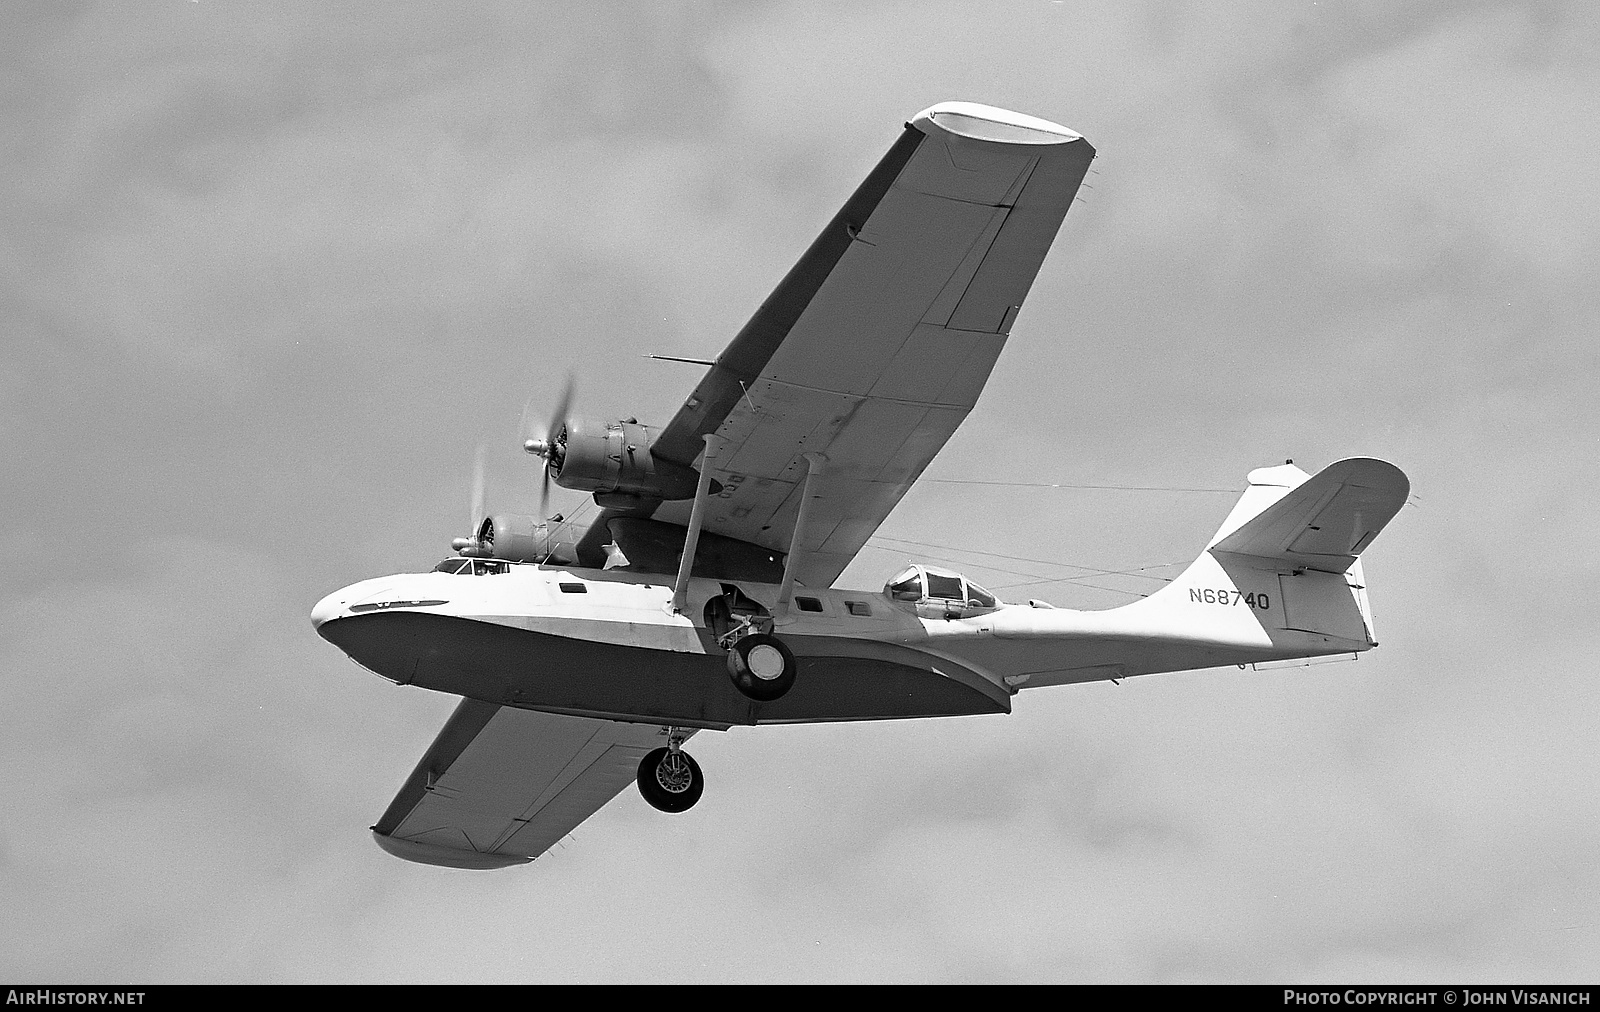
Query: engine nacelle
593,456
518,538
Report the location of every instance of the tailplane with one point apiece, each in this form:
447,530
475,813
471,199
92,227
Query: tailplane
1319,523
1286,562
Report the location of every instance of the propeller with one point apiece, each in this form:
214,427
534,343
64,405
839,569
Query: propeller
472,542
477,487
550,446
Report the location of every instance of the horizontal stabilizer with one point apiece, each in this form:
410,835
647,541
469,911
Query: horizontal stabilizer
1325,522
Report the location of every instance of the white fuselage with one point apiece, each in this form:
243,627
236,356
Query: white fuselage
576,613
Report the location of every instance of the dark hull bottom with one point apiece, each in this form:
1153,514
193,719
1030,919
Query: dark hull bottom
838,679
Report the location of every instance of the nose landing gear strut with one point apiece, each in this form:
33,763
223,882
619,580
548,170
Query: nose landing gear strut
669,778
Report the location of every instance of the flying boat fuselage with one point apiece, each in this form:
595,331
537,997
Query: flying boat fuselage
607,644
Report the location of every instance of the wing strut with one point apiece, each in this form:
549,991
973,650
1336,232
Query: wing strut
680,588
786,591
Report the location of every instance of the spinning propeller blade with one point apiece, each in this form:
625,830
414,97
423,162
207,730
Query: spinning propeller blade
477,488
469,544
544,445
562,407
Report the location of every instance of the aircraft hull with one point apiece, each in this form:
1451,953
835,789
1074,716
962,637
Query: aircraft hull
500,663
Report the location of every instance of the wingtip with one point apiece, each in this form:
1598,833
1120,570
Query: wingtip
990,123
445,857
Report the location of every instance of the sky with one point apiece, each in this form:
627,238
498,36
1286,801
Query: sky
270,273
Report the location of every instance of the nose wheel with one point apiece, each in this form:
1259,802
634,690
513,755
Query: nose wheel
761,666
670,779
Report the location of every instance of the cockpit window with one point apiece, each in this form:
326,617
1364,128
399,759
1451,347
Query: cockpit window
948,587
940,592
907,586
471,567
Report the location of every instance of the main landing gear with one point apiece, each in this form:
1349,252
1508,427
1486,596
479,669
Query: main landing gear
669,778
759,663
761,666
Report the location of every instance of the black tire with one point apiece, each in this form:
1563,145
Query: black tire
664,786
752,662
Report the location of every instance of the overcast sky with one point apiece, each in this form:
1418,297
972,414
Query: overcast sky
270,273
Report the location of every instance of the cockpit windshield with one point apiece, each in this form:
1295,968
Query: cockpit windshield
905,587
471,567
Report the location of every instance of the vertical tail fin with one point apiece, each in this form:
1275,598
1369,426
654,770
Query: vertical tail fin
1264,487
1286,560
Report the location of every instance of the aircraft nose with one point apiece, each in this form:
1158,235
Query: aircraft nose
330,607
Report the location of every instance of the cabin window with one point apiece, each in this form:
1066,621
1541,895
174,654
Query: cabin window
574,588
977,597
453,566
483,567
860,608
808,603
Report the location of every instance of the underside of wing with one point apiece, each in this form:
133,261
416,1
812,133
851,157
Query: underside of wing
500,786
876,345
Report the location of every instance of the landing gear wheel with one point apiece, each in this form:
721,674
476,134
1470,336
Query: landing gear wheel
671,780
761,667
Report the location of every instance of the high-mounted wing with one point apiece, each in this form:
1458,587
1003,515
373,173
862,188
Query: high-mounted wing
500,786
875,346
